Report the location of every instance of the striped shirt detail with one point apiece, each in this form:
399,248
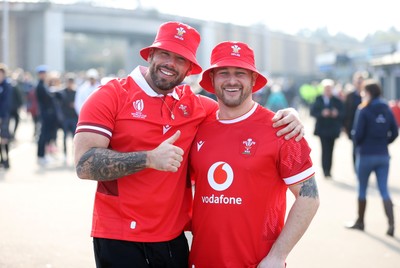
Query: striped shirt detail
300,177
94,129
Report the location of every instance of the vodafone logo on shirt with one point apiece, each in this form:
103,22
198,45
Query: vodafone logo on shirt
220,177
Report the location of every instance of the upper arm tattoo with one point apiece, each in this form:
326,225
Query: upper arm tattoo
309,188
102,164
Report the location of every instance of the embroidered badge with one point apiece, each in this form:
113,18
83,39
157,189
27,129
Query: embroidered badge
235,50
248,145
180,32
138,105
184,110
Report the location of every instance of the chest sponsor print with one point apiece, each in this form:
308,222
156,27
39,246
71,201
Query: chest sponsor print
220,177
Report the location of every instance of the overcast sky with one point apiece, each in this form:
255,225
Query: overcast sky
355,18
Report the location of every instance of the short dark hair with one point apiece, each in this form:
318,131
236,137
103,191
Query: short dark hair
373,88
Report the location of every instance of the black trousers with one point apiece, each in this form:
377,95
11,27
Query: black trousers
327,144
111,253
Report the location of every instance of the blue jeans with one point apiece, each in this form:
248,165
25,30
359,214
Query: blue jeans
365,165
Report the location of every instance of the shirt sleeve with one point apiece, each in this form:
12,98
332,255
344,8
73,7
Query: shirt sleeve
99,111
295,162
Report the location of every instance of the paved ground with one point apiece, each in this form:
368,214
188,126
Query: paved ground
45,214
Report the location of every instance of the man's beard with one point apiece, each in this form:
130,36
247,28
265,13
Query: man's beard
162,83
229,102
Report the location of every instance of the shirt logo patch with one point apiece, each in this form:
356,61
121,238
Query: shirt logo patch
248,144
138,105
199,145
184,110
380,119
166,128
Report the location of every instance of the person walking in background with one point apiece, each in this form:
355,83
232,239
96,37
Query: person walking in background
276,99
133,138
55,85
374,128
17,101
66,98
351,103
31,104
308,92
5,98
241,182
328,111
84,90
48,116
32,107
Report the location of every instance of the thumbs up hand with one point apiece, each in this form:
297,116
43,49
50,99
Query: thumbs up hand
167,156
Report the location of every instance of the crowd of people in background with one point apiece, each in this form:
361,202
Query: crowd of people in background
56,105
49,99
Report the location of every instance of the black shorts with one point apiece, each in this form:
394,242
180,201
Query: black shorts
111,253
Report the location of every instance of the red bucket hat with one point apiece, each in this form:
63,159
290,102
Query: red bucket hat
178,38
232,54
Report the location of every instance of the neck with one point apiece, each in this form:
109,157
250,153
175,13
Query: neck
226,112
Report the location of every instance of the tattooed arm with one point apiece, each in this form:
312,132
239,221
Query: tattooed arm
94,161
299,218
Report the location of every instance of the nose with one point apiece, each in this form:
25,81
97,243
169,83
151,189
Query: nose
172,62
231,79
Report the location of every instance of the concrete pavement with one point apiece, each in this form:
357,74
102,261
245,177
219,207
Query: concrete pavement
46,213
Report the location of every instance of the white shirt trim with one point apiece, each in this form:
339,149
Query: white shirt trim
240,118
299,177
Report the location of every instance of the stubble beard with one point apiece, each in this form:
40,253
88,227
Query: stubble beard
162,83
230,102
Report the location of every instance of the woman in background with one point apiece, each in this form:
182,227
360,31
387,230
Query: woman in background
374,128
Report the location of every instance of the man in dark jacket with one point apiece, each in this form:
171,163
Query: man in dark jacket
48,116
351,103
328,111
66,99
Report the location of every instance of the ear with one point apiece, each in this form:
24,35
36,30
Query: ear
189,71
150,56
211,75
254,75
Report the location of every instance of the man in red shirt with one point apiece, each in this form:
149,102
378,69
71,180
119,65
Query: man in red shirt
242,171
133,138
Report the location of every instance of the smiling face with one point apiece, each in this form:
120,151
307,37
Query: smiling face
166,70
233,86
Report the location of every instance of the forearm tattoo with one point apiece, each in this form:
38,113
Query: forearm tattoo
309,188
102,164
